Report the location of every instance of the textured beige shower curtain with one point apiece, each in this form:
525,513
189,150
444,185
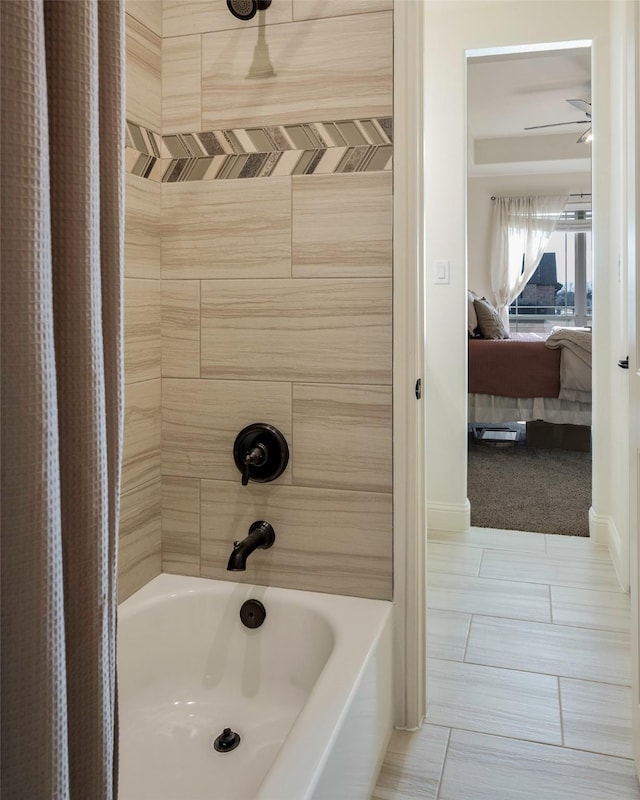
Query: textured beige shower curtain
62,244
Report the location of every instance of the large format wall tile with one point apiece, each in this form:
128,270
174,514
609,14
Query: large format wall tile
314,9
201,419
139,545
181,329
342,226
143,74
203,16
141,228
181,525
181,69
227,229
148,12
141,455
307,330
239,322
307,71
342,436
326,540
141,330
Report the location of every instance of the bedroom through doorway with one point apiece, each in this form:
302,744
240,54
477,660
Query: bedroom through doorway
530,288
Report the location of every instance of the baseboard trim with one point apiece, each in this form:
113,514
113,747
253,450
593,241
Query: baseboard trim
454,517
598,527
603,530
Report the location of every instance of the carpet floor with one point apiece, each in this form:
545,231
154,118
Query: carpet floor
516,488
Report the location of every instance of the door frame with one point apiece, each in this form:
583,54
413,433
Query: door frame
409,449
410,307
632,132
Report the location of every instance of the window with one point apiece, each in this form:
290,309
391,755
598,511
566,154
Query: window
560,291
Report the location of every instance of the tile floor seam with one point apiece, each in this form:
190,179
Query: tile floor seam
546,583
512,619
537,622
589,680
550,605
590,588
528,619
527,551
530,672
605,561
466,641
520,739
581,627
480,563
560,711
593,752
444,761
534,741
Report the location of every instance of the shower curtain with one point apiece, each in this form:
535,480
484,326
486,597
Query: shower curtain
62,251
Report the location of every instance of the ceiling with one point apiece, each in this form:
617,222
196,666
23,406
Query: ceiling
507,93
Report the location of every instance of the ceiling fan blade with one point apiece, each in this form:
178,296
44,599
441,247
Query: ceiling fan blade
555,124
581,105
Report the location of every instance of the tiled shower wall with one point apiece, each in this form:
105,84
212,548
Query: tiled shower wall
276,290
140,523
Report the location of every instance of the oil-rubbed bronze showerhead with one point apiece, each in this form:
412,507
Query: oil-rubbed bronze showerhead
247,9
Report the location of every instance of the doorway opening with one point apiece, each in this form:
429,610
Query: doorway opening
530,288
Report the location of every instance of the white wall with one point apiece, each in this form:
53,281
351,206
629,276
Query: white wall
479,193
452,28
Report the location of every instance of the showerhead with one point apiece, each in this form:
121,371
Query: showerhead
247,9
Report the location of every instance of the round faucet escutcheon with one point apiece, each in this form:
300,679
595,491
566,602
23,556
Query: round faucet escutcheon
261,453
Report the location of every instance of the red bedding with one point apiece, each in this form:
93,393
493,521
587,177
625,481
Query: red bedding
518,367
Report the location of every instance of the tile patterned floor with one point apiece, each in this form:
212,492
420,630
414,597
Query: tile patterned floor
529,664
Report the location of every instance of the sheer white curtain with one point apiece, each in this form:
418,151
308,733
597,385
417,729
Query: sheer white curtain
521,227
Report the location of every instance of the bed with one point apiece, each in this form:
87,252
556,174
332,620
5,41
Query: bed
531,377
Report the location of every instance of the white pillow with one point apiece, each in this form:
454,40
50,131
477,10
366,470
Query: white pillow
472,318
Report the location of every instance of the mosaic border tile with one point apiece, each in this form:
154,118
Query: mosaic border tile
318,148
143,148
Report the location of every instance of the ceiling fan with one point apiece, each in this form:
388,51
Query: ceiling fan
581,105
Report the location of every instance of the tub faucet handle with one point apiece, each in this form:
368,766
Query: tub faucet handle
255,457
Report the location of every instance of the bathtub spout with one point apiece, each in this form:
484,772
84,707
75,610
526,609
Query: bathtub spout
261,535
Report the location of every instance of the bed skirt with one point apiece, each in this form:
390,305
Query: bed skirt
493,408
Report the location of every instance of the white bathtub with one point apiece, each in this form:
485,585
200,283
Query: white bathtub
309,693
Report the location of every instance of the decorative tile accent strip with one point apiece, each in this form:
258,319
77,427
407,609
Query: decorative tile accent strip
143,152
319,148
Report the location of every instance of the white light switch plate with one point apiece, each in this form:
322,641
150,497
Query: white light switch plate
442,272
